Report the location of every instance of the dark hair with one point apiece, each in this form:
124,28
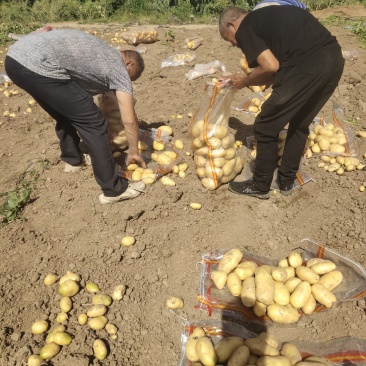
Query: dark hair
230,14
134,55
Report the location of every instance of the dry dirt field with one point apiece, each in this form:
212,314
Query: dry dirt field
65,228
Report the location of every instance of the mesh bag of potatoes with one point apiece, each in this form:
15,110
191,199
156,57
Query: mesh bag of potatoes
209,343
193,42
244,286
215,156
136,37
253,104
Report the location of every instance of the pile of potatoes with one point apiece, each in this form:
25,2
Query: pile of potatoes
214,154
143,36
340,164
327,138
95,317
263,350
280,292
254,105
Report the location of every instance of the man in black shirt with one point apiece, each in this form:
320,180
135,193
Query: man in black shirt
289,48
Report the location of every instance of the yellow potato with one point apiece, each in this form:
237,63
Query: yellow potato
219,278
310,305
96,310
230,153
227,142
290,272
69,288
220,132
244,271
62,317
307,274
35,360
98,322
128,240
300,296
212,172
49,350
100,349
167,181
39,326
279,274
312,261
336,148
173,155
322,295
284,314
190,350
234,284
174,303
111,328
331,280
230,260
259,309
167,129
92,287
240,357
206,352
264,286
228,167
294,259
69,276
324,267
118,292
65,304
291,352
208,183
282,294
273,361
179,144
164,159
225,348
259,347
102,299
62,338
82,319
50,279
292,283
248,293
53,331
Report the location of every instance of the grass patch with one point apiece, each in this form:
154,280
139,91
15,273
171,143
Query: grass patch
14,201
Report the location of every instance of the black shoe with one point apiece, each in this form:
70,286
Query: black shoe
247,188
287,191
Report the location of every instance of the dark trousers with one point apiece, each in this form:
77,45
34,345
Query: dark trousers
299,93
76,115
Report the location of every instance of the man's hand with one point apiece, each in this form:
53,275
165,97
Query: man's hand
135,159
239,81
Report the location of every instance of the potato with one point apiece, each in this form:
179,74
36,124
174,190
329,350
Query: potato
167,181
230,153
264,286
291,352
102,299
300,296
240,357
118,292
96,310
244,271
258,346
219,278
283,263
53,331
128,241
111,328
310,305
50,279
69,276
225,348
292,283
331,280
49,350
214,172
35,360
307,274
294,259
39,326
208,183
195,205
336,148
321,360
282,294
290,272
167,129
164,159
259,309
230,260
179,144
220,132
234,284
174,303
323,267
91,287
273,361
62,317
227,142
270,340
100,349
69,288
279,274
191,353
82,319
284,314
65,304
98,322
322,295
206,352
312,261
62,338
248,293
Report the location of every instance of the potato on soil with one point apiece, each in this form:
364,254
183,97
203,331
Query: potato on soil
100,349
102,299
96,310
258,346
69,276
174,303
49,350
62,338
98,323
118,292
92,287
69,288
39,326
35,360
50,279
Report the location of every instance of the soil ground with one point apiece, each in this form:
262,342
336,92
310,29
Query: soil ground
65,228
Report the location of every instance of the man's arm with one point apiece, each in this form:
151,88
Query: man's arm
130,123
263,74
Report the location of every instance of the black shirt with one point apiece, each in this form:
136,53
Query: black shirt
292,34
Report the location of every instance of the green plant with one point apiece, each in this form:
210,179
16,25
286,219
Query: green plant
18,198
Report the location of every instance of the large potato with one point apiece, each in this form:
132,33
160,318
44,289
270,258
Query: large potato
69,288
310,305
191,352
307,274
240,357
245,269
234,284
264,286
323,267
219,278
282,294
300,295
322,295
258,346
284,314
292,283
331,280
230,260
247,296
279,274
225,348
100,349
294,259
49,350
206,351
259,309
290,351
273,361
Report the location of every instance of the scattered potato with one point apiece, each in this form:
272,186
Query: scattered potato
39,326
102,299
69,288
92,287
35,360
174,303
118,292
195,205
128,241
100,349
49,351
50,279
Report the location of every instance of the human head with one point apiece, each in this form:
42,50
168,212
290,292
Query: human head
134,62
229,22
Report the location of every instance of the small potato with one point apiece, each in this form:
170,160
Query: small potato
35,360
282,294
257,346
195,205
50,279
62,317
167,181
174,303
219,278
62,338
331,280
49,350
322,295
264,286
283,263
206,352
53,331
179,144
291,352
300,295
230,260
111,328
292,283
310,305
323,267
312,261
118,292
259,309
69,288
69,276
234,284
65,304
96,310
92,287
98,323
100,349
102,299
279,274
294,259
240,357
283,314
225,348
82,319
39,326
248,293
273,361
307,274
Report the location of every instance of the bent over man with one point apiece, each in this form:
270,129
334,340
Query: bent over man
62,70
289,48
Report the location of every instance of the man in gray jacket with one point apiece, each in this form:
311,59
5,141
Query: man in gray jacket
62,70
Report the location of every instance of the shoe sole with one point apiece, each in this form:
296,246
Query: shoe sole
287,193
104,200
261,197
